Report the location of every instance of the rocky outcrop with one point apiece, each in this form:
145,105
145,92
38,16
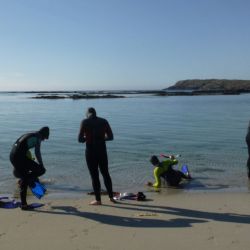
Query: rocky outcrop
213,85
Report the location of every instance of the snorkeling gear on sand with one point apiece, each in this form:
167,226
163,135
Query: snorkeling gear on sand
140,196
38,189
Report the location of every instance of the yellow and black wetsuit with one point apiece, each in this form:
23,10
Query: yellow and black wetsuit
161,169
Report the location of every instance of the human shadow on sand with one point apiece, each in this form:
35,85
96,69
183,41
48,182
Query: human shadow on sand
187,213
122,221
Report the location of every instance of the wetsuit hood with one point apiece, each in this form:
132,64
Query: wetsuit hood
154,160
91,112
44,132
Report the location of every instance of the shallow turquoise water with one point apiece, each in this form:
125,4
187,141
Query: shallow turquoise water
208,131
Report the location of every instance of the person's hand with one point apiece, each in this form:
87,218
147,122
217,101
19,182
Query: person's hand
172,157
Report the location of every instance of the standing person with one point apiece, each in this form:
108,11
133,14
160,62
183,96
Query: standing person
25,167
95,131
248,146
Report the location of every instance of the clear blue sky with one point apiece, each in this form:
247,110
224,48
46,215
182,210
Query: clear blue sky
121,44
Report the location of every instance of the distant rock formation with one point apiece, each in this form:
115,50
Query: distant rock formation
212,85
74,96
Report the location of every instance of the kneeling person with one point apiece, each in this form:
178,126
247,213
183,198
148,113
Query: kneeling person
165,170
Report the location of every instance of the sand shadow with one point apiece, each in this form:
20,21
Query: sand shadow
183,212
122,221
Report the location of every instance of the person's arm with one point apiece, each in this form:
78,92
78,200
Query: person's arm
81,137
169,163
38,152
173,161
170,156
108,133
157,177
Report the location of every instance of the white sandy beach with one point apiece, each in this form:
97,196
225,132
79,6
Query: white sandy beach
178,221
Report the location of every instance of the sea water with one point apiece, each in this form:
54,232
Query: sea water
207,131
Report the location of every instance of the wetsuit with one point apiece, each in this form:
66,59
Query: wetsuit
165,170
24,167
248,146
95,131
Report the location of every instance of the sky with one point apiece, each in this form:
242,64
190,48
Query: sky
121,44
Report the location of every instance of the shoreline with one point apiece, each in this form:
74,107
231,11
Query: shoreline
52,195
179,221
194,186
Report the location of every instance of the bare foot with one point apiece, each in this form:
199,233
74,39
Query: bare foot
95,203
150,184
113,200
27,207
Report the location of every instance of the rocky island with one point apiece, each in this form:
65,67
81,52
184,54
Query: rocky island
209,86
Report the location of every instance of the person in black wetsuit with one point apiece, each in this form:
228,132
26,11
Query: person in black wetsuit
248,146
95,131
25,167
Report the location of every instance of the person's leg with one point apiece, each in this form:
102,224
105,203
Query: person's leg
103,165
92,164
19,172
174,177
248,167
248,160
23,185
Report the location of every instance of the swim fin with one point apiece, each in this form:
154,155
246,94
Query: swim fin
38,190
8,203
184,169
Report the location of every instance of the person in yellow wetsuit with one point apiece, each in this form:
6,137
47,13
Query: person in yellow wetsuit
164,169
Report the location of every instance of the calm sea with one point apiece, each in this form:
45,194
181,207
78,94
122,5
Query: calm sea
208,131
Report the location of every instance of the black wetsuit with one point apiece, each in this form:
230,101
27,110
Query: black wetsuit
173,177
95,131
248,146
25,168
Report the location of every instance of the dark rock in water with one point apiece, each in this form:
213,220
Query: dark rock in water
80,96
75,96
48,97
